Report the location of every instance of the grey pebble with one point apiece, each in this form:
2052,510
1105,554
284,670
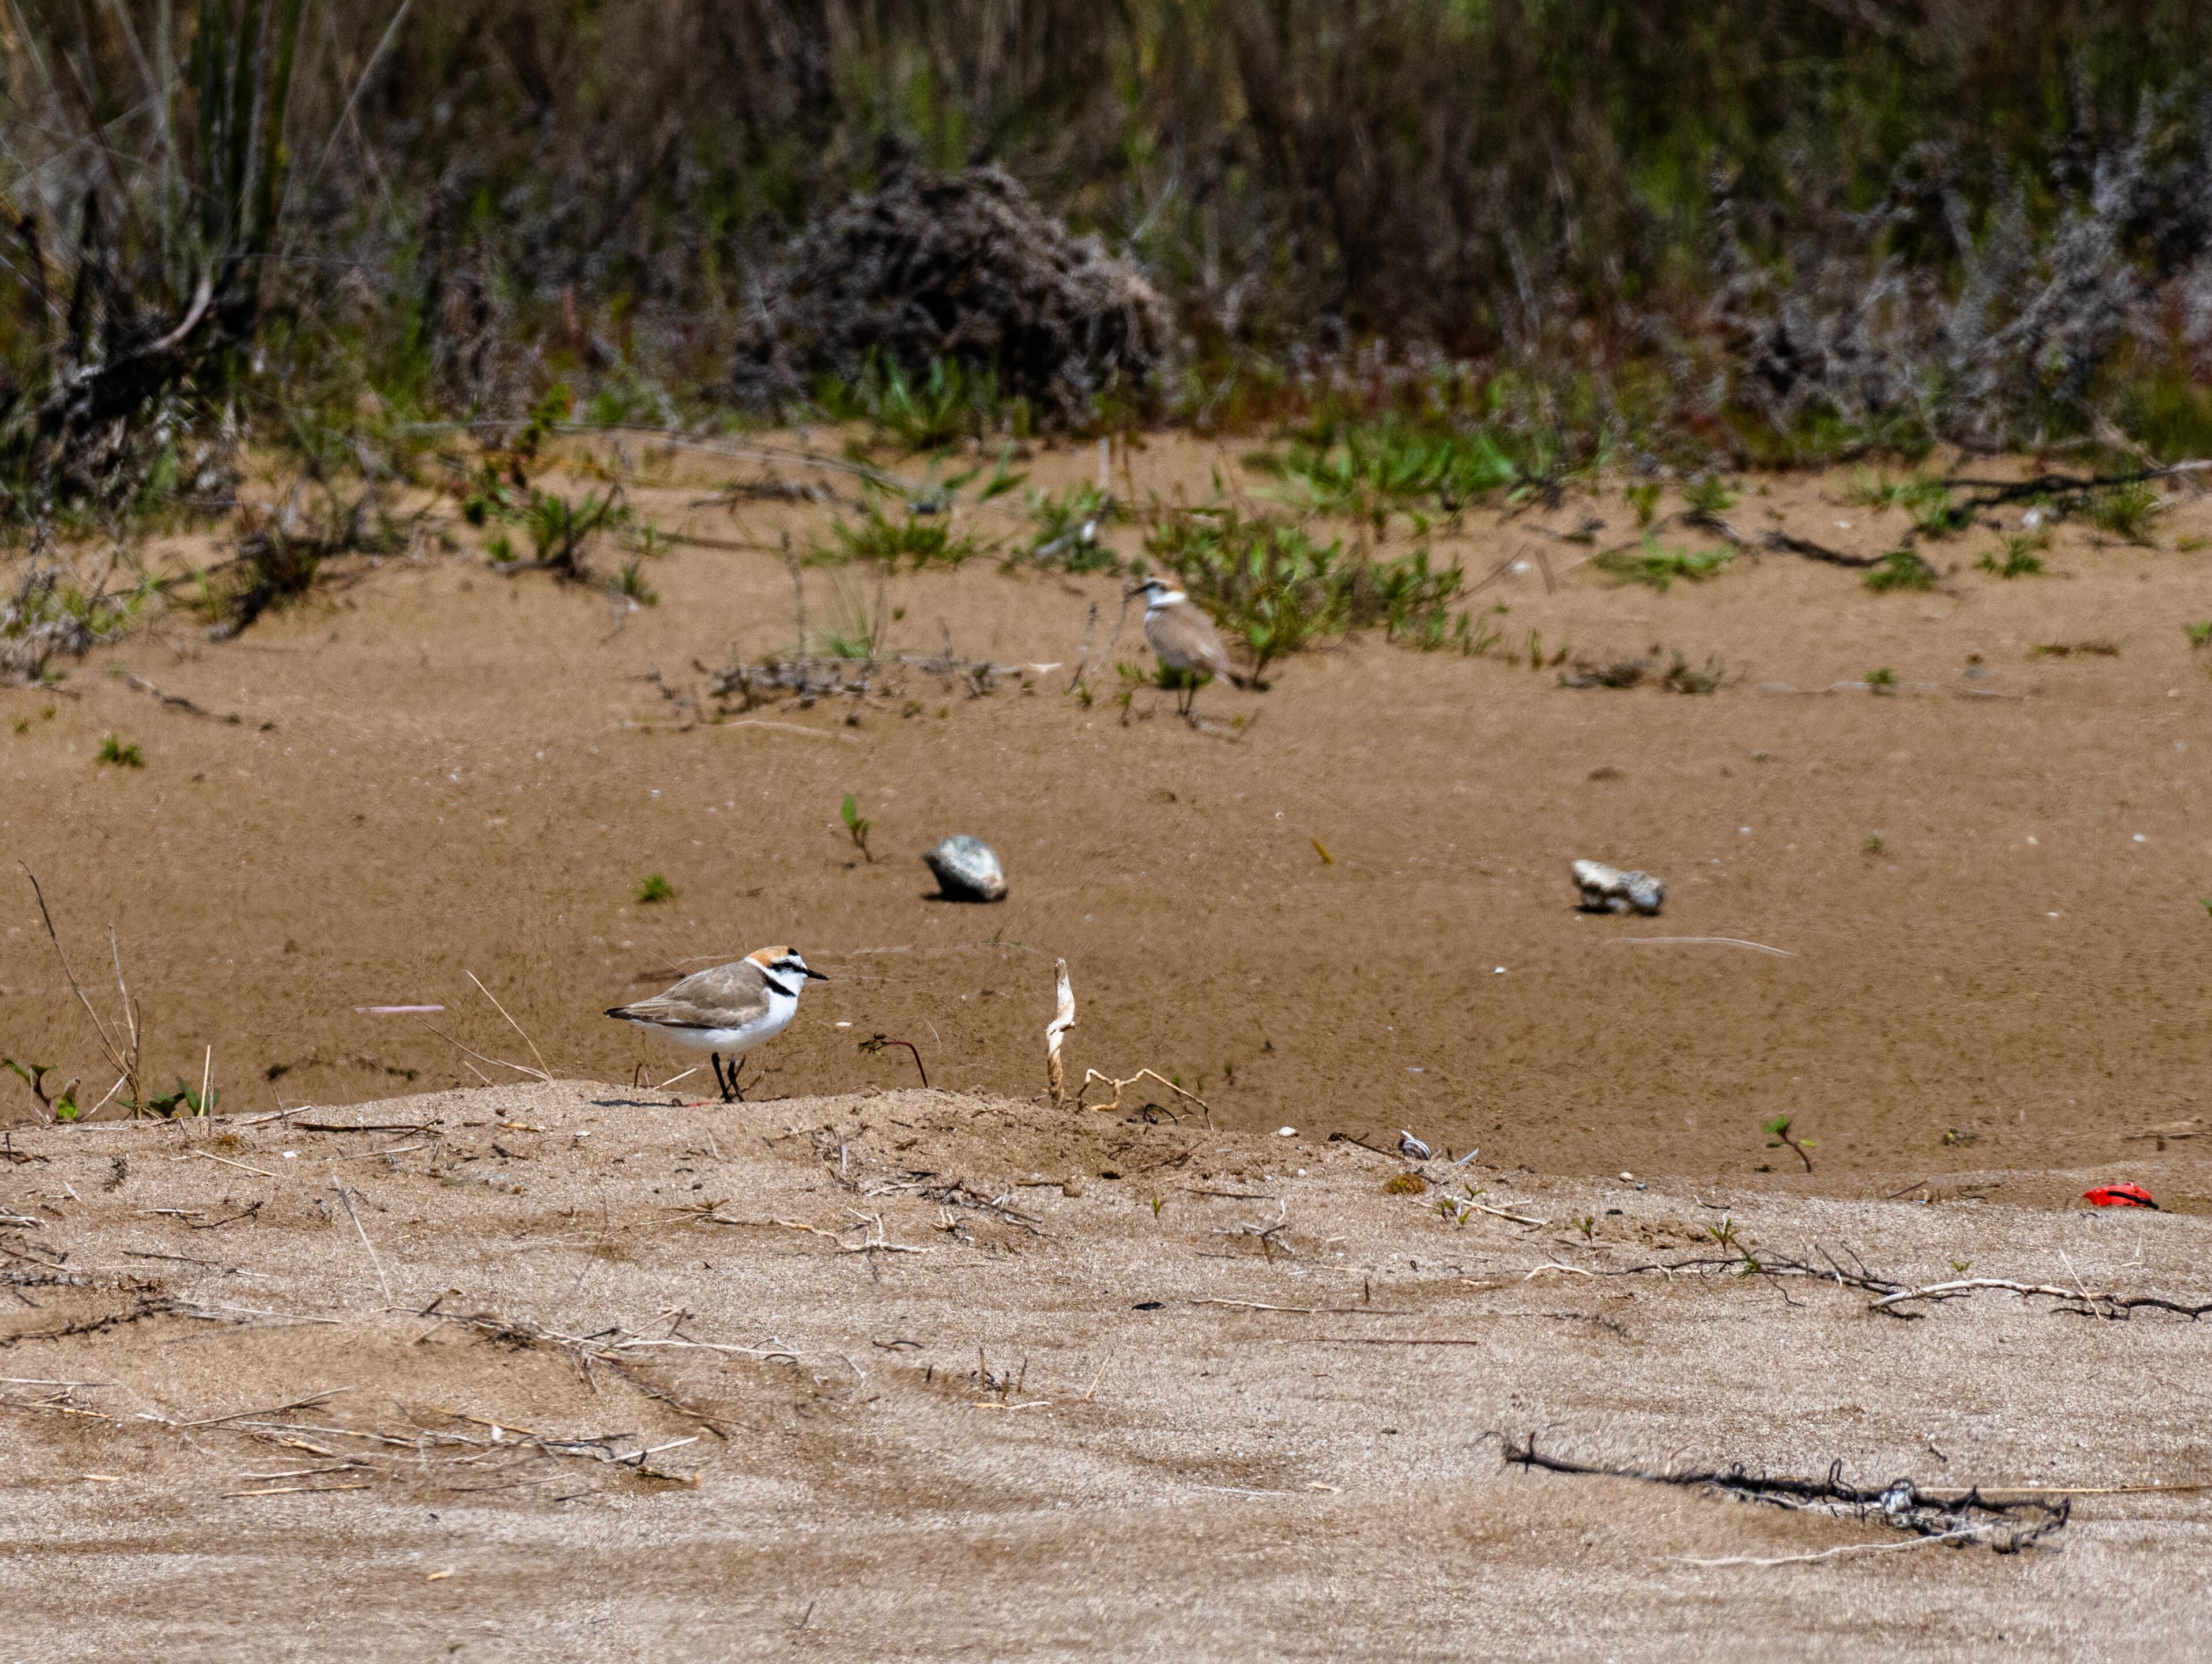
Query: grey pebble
967,870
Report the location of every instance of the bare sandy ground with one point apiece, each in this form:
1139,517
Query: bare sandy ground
566,1372
1989,877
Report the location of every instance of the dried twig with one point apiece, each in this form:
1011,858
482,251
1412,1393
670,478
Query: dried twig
209,1156
2101,1303
179,702
2005,1527
1119,1086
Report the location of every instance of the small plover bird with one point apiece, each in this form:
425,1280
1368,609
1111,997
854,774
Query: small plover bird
1184,638
732,1008
1411,1147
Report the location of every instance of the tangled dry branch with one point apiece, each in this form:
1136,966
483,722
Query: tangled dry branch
2007,1526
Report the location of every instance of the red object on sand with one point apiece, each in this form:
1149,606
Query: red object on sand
2119,1195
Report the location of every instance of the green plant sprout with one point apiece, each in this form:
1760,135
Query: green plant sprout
1779,1135
856,827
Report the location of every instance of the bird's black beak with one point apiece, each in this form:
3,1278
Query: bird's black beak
812,974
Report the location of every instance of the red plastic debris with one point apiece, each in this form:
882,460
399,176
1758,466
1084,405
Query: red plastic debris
2119,1195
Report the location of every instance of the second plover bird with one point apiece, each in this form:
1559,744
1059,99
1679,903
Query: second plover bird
1184,638
732,1008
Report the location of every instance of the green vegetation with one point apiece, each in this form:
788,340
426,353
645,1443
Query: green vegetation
1901,569
1779,1136
55,1106
184,1101
1269,585
923,537
559,528
1934,513
1065,537
2199,634
1370,470
856,827
1708,496
115,753
1882,680
855,631
1659,568
2018,554
654,888
50,618
629,583
946,403
2127,511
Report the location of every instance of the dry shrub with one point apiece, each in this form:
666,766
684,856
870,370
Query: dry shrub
960,269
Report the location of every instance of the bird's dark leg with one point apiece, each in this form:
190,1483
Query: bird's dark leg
721,1084
736,1064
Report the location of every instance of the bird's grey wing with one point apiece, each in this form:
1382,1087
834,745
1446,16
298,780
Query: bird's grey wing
727,997
1186,638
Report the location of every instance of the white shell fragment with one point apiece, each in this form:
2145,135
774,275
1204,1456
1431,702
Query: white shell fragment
967,870
1608,889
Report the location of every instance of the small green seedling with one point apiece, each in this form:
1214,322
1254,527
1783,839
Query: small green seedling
2199,635
856,828
2017,557
1873,846
1882,680
1960,1267
61,1106
1588,1225
1645,500
1157,1205
116,753
184,1101
1778,1135
655,888
1723,1233
629,584
1708,496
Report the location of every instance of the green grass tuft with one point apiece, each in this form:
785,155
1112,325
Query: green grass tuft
1901,569
1659,568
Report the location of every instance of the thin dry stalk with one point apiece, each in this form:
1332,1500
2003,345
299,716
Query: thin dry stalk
497,1062
123,1059
345,1196
543,1073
